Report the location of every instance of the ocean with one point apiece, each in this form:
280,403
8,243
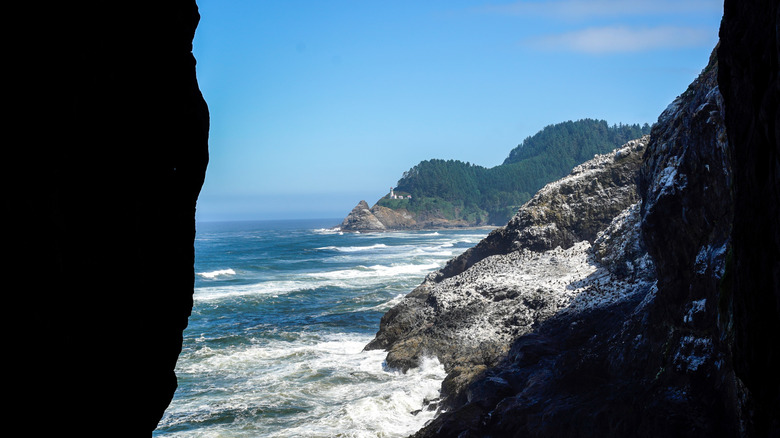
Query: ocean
282,311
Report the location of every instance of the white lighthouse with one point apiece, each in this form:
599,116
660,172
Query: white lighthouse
392,194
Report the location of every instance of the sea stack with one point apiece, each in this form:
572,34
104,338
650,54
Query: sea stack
361,219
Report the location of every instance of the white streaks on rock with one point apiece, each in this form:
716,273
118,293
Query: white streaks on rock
697,306
692,353
506,295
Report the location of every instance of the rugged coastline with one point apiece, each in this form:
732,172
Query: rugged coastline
605,307
468,313
363,218
442,194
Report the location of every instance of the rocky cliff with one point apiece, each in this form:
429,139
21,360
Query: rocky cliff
564,212
109,148
468,313
568,322
361,218
380,218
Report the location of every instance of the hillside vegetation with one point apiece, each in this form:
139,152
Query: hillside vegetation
459,190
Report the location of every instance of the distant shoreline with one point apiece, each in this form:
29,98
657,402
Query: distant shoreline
394,230
316,219
320,223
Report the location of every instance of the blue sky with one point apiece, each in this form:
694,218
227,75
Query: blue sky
317,104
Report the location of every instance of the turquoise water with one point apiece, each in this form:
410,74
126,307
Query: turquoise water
282,311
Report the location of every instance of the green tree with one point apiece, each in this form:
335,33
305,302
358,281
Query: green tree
461,190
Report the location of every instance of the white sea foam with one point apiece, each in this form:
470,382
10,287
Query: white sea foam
357,277
334,230
382,306
218,273
376,271
264,288
253,369
437,251
425,254
323,386
353,248
394,407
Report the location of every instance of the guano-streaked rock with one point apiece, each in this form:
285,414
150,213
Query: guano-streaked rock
470,318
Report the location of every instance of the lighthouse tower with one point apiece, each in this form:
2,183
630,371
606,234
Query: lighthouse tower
392,195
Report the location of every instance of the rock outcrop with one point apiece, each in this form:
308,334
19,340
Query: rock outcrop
661,322
564,212
469,318
380,218
108,160
362,219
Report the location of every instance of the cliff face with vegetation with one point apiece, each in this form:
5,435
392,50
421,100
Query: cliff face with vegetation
663,324
451,193
477,194
108,164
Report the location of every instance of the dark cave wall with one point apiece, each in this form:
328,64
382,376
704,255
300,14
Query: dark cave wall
107,159
750,83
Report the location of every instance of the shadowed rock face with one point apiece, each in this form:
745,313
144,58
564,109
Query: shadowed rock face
109,162
749,79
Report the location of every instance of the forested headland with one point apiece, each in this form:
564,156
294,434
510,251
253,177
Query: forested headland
457,190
